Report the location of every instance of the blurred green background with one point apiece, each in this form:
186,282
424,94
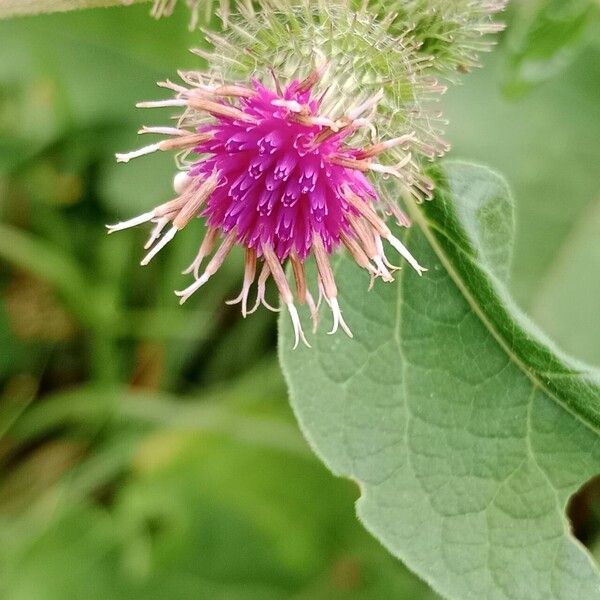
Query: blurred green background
147,450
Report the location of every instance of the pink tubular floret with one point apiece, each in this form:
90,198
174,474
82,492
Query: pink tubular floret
277,183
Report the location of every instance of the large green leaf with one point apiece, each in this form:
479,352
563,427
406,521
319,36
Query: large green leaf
465,429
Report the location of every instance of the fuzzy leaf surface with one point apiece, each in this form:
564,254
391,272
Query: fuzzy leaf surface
466,430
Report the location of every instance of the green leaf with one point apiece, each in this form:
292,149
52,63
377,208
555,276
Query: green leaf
12,8
466,430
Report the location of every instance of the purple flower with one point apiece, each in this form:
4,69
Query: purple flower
269,172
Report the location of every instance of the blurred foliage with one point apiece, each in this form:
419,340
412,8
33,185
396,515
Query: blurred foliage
548,35
147,450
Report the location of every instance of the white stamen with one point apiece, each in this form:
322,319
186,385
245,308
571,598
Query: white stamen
367,124
385,170
205,249
399,141
291,105
372,281
365,106
195,266
127,156
160,225
374,274
163,131
403,250
406,160
381,251
268,306
298,332
131,222
338,319
169,85
321,295
161,244
192,289
325,122
314,311
261,289
243,298
162,103
382,269
162,8
249,274
194,7
213,266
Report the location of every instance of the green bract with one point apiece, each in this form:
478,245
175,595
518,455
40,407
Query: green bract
362,49
357,58
465,429
450,31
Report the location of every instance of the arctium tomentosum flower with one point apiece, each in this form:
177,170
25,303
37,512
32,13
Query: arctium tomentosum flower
268,171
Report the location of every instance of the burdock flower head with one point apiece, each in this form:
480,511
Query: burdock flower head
275,175
281,159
